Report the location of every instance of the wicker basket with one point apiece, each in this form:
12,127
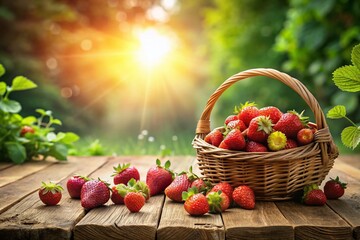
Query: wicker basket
273,175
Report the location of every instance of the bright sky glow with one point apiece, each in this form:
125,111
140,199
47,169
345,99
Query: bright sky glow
154,46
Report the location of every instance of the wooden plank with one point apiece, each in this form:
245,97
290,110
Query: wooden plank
348,206
314,222
16,172
176,223
115,221
5,165
264,222
31,219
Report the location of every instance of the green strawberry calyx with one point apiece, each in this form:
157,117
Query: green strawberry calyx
190,192
166,167
265,124
308,189
238,109
337,180
119,168
51,187
214,200
133,186
303,119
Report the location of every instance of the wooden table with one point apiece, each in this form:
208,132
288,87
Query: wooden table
23,216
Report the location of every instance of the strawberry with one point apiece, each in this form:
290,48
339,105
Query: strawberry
276,141
224,187
159,177
334,188
313,195
116,197
272,112
244,197
74,185
50,193
218,201
134,201
223,145
123,173
139,186
214,137
291,123
201,184
26,129
290,143
236,124
94,193
252,146
230,118
196,203
305,136
259,129
247,112
235,140
180,184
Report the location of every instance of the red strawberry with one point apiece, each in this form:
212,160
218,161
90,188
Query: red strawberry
272,112
224,187
223,145
123,173
247,112
252,146
134,201
244,197
334,188
196,203
94,193
236,124
74,185
26,129
231,118
180,184
159,177
305,136
201,184
218,201
290,143
313,195
117,193
259,129
291,123
214,137
235,140
50,193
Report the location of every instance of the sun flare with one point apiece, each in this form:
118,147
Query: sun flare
154,46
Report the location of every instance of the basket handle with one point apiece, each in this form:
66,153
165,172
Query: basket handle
324,136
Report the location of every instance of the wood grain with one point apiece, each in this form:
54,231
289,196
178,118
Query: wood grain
31,219
314,222
17,172
264,222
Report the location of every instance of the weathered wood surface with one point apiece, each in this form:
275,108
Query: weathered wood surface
23,216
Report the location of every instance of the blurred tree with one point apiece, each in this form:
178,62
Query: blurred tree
317,38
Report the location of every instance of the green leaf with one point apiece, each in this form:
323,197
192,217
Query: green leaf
347,78
56,121
2,88
350,136
51,137
2,70
69,138
355,56
336,112
28,120
41,111
16,152
10,106
22,83
58,151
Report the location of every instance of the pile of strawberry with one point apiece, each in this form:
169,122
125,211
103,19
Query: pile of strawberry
266,129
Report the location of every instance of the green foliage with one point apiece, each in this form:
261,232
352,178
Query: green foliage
348,79
26,138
